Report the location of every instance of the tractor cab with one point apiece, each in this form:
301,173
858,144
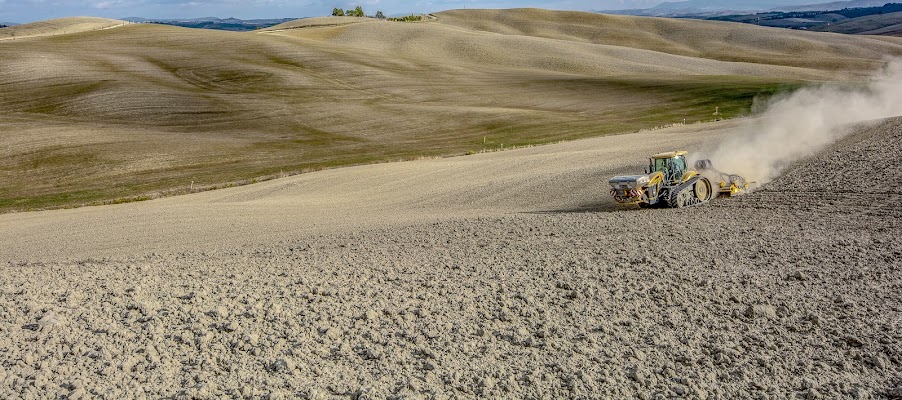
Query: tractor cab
672,164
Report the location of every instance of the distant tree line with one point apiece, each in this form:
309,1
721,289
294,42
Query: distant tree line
358,12
408,18
865,11
4,26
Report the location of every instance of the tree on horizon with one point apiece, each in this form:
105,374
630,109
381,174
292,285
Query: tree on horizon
356,12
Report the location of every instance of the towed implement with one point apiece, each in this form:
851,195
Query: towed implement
669,182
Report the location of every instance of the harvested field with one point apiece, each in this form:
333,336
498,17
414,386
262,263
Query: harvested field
317,22
880,24
60,26
530,285
145,110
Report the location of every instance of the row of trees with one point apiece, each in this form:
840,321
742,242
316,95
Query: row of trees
408,18
356,12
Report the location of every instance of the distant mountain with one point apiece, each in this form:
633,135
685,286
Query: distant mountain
871,17
705,5
883,20
226,24
201,19
674,12
877,24
836,5
696,8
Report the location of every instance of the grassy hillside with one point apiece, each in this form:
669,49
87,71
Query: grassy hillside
143,109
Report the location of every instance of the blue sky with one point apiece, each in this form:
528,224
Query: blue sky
22,11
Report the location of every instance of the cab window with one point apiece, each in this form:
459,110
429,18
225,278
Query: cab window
660,164
679,163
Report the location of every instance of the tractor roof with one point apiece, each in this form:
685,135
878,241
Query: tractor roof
670,154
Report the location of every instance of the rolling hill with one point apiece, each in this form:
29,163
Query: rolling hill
707,40
317,22
701,8
94,114
835,5
881,20
882,24
713,8
61,26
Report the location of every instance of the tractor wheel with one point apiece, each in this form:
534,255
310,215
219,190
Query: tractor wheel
703,190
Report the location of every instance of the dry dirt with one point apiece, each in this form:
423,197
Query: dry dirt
529,285
567,175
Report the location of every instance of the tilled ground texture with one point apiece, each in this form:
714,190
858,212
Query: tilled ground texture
792,291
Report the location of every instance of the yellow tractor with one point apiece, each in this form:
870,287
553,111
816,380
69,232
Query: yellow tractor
669,182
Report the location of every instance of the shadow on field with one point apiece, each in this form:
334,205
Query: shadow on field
601,206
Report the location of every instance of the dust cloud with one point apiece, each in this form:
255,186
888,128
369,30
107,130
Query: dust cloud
805,121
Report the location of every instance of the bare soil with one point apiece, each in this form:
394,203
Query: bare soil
788,292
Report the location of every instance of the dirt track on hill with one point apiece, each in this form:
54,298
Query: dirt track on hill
778,294
565,176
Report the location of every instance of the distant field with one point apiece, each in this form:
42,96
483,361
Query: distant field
95,115
885,19
883,24
62,26
228,24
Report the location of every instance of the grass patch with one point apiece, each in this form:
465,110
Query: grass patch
701,99
303,148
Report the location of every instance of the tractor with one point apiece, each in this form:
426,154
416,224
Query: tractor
669,182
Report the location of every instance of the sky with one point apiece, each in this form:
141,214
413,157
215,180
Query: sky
22,11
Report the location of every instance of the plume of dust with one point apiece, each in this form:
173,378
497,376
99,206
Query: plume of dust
800,124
